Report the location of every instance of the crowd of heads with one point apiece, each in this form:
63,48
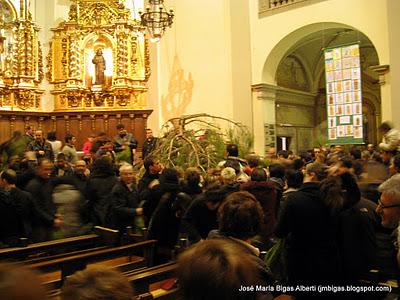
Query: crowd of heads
230,193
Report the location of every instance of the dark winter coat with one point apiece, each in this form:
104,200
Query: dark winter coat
123,207
266,195
41,191
98,191
16,211
199,220
357,223
155,194
306,224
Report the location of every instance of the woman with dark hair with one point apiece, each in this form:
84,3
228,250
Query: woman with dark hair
100,183
356,223
164,221
239,218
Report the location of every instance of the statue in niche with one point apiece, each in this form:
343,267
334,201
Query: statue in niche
100,66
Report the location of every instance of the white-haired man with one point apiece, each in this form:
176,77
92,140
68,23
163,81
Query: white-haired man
125,200
389,208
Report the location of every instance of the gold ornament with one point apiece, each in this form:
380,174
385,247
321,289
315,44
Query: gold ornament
95,25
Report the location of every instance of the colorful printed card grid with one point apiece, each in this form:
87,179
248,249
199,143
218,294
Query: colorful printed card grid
343,92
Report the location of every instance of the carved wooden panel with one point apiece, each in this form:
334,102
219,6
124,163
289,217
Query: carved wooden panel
80,124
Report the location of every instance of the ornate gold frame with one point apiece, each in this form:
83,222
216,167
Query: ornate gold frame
98,24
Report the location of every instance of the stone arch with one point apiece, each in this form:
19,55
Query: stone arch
295,46
281,49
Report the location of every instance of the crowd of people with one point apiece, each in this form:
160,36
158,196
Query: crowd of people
48,191
332,214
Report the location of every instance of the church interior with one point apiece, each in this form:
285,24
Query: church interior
284,86
232,66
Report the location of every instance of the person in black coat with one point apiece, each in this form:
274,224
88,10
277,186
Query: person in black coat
168,183
201,216
149,144
16,211
41,190
306,224
150,178
266,194
98,190
164,223
125,200
357,223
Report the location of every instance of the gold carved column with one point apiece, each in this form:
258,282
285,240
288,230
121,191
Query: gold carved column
21,64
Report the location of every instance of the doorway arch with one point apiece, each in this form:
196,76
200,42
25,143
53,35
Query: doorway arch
295,66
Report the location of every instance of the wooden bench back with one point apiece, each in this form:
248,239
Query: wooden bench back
50,247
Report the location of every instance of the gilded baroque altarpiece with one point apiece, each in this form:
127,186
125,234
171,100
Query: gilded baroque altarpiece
21,65
98,59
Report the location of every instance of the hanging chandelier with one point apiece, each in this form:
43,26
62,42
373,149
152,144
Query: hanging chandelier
156,19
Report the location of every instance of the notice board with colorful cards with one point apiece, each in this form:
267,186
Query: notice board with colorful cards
343,95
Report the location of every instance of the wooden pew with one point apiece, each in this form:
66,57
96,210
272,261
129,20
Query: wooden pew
141,280
138,263
72,263
50,248
167,295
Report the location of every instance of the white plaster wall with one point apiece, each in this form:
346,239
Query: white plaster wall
367,16
199,43
241,62
391,105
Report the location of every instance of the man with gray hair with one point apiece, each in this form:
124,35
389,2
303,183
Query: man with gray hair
389,203
125,200
389,208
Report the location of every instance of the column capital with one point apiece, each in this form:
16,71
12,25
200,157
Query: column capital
265,91
381,70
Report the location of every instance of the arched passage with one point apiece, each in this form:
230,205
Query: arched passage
295,67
